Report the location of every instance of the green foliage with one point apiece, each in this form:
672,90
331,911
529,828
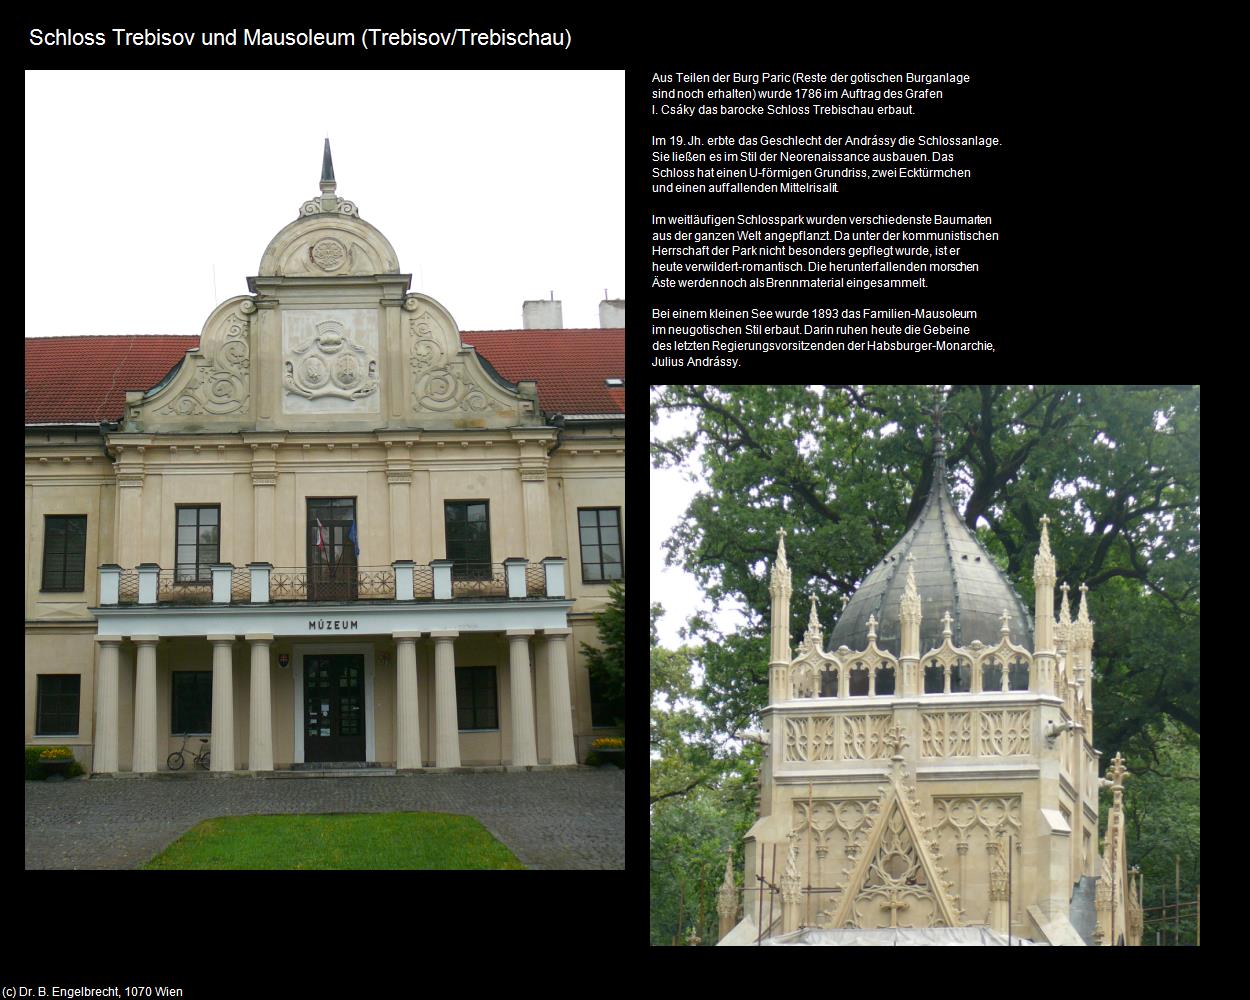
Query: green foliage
1162,808
846,469
689,839
37,756
34,767
376,841
606,662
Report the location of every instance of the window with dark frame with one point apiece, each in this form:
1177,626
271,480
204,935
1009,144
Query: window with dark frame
192,709
599,531
64,552
57,710
332,566
605,710
198,543
477,703
468,538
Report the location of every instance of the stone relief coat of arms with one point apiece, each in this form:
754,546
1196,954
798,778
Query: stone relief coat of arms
329,362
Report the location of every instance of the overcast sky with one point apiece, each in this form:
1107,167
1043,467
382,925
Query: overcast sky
673,588
493,188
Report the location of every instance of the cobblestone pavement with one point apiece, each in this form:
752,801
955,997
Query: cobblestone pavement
548,819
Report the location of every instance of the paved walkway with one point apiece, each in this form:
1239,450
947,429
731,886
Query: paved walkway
548,819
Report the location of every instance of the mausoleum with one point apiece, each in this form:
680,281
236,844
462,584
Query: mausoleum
931,768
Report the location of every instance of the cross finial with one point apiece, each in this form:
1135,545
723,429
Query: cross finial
1006,622
872,627
946,623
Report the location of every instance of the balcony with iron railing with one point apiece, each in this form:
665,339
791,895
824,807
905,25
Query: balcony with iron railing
261,583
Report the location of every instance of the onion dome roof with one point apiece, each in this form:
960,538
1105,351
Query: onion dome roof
954,573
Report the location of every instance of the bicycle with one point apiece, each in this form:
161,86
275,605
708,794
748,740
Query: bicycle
176,759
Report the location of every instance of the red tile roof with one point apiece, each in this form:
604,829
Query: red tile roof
570,366
83,380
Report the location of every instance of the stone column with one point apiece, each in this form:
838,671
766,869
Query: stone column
222,758
260,723
524,748
562,749
533,461
128,533
999,916
727,899
909,650
399,481
447,747
791,888
143,758
264,486
407,714
104,759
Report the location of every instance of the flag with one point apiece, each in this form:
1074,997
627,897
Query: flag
321,539
352,535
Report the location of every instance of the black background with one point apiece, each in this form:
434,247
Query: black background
1097,203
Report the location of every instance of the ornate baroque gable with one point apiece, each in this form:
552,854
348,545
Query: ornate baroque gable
332,342
212,389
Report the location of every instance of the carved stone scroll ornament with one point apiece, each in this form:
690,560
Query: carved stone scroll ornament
438,383
219,384
344,207
330,363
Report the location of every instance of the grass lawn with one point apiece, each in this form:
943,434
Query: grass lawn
356,841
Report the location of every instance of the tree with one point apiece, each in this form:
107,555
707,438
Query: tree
606,662
845,469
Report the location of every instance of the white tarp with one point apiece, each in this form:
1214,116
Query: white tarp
897,936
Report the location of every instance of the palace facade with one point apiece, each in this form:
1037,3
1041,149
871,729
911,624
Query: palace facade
332,528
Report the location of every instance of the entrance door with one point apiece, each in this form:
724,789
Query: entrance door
334,707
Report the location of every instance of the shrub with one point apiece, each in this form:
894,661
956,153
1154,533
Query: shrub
36,756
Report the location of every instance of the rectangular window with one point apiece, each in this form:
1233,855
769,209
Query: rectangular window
198,543
57,711
64,551
192,710
607,706
599,529
332,544
476,702
468,539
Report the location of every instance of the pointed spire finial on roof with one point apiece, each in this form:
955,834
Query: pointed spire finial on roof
1044,564
327,168
1065,615
939,448
1082,614
781,546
